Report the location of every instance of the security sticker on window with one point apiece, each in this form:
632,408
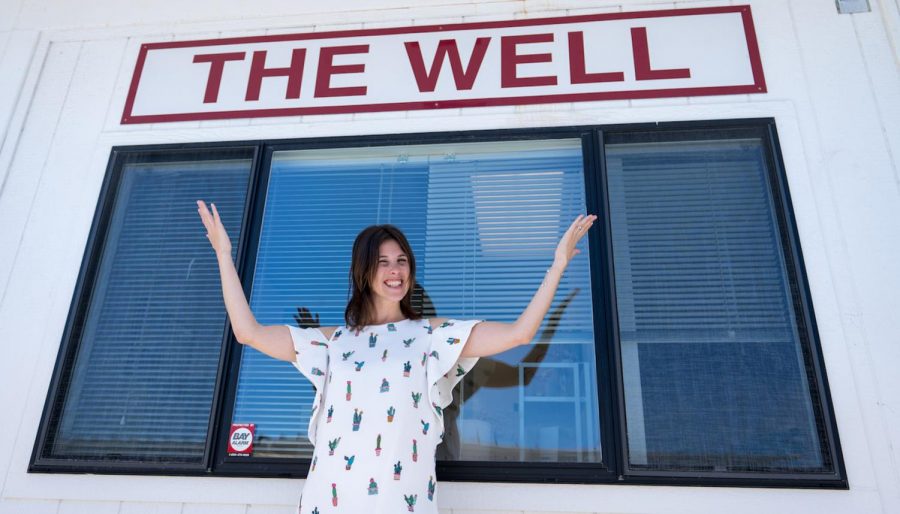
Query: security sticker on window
240,441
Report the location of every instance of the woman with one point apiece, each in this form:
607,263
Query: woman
385,377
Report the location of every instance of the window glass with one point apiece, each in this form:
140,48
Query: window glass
714,368
141,386
483,220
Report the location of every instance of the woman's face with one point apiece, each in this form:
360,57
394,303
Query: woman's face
391,279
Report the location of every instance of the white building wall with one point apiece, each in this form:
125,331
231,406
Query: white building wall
834,91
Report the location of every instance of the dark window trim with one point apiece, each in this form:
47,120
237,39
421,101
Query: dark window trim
79,306
614,467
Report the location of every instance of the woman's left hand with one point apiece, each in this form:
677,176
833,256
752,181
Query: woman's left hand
566,248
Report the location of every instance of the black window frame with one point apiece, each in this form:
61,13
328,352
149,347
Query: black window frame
614,466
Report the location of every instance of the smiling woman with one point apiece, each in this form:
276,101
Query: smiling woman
379,317
383,275
366,367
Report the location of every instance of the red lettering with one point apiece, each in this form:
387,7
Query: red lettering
509,59
446,49
258,71
577,66
327,68
642,71
216,65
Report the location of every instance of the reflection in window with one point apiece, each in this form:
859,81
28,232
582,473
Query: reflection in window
715,373
483,220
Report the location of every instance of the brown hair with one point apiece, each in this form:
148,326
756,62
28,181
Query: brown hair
364,265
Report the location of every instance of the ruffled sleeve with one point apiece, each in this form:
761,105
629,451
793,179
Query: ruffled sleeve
311,359
445,366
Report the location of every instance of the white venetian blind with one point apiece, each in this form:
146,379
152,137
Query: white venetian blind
713,367
141,385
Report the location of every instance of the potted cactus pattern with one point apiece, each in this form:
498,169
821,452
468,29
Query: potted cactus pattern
317,372
391,327
446,324
332,445
337,334
368,353
410,501
357,419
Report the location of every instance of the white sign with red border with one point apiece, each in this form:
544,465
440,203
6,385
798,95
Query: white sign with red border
648,54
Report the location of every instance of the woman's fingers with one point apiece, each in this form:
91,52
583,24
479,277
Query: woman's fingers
572,230
210,221
204,214
574,225
581,225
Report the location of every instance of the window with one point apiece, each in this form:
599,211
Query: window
139,384
483,220
714,371
680,347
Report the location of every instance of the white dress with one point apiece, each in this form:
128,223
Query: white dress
377,415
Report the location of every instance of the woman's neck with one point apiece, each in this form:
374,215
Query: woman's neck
387,313
393,318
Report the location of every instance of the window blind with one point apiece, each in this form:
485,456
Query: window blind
714,372
141,385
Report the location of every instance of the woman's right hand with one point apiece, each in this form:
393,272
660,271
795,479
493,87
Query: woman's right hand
215,230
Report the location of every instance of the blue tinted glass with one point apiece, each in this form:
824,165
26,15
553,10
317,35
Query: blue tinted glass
714,373
144,375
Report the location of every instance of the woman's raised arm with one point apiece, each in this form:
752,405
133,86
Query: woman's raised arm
491,337
274,341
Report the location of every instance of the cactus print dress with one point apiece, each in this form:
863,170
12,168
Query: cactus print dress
377,417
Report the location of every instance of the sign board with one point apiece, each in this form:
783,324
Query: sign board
240,439
613,56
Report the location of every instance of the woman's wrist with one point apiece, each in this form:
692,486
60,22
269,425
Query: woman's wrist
222,254
557,267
